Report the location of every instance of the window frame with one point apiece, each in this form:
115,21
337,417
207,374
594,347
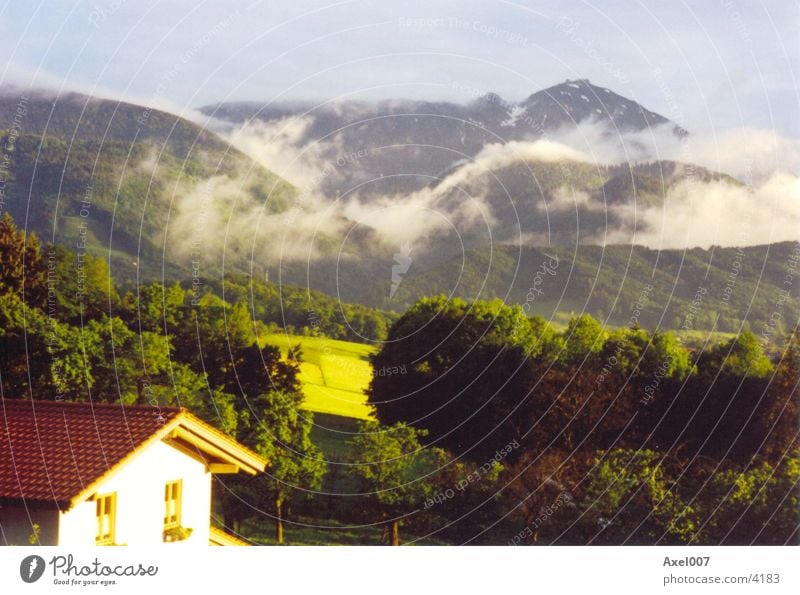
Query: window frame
178,504
106,506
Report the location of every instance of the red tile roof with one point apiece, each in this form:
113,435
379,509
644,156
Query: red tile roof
50,451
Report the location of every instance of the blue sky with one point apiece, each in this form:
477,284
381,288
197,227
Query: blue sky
715,64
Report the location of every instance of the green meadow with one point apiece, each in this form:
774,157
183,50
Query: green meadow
334,374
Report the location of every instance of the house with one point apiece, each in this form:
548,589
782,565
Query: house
78,474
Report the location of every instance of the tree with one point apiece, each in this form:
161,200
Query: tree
213,338
583,338
548,342
39,355
731,408
569,408
629,497
277,429
181,386
124,364
637,355
541,492
219,340
266,393
740,357
259,370
22,269
457,370
751,505
155,308
467,498
781,412
78,288
396,471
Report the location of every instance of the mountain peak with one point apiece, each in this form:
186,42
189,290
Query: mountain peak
487,100
573,101
574,85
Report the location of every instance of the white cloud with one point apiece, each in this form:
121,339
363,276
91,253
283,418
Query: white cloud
219,217
694,212
714,213
748,154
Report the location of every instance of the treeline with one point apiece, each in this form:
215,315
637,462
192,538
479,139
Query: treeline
620,436
300,311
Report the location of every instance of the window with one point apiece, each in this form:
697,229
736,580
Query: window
172,504
106,519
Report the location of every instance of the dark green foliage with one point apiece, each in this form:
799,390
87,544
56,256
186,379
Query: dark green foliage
464,373
742,505
304,312
22,270
740,357
396,471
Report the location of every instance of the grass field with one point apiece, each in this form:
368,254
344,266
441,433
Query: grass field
331,433
334,374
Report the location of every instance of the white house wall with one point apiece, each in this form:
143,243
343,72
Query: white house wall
139,486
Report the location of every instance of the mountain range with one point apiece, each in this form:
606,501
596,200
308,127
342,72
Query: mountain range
157,194
403,145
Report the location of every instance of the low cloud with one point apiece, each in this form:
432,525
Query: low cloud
750,155
459,203
279,146
566,199
713,214
219,218
696,212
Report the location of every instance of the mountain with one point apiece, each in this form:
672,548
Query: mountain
73,116
574,101
108,175
466,154
723,288
489,118
140,186
404,145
